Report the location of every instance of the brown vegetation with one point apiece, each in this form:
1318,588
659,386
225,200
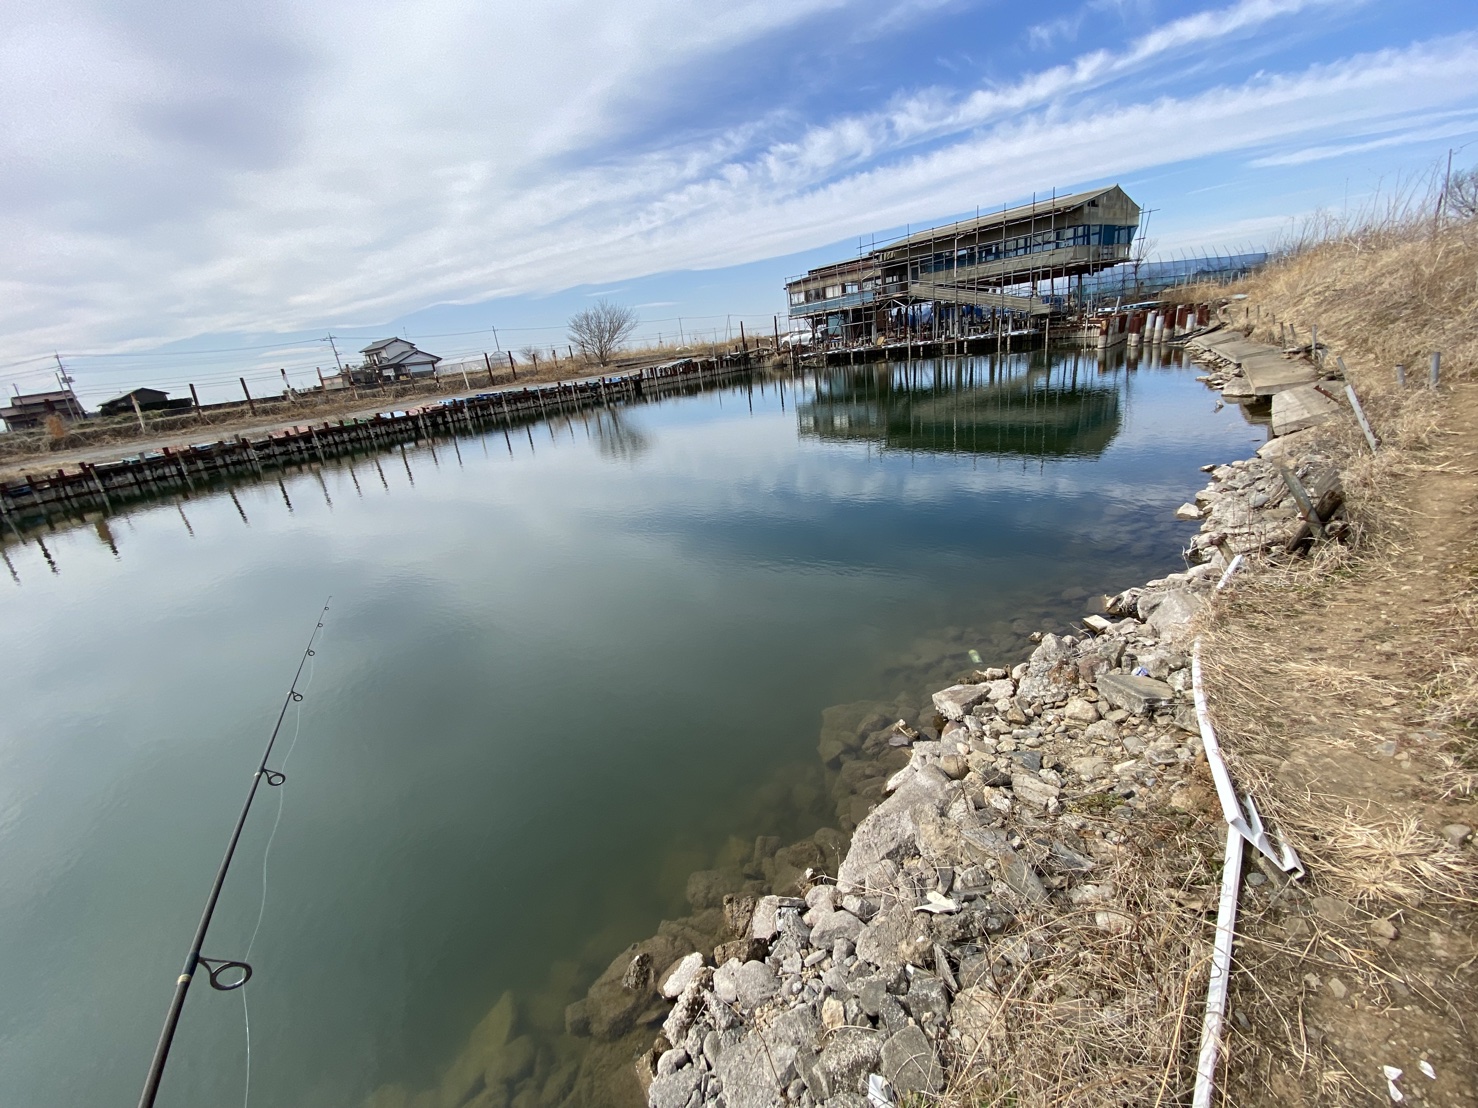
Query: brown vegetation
1344,687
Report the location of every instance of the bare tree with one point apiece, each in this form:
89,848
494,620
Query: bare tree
1462,194
599,331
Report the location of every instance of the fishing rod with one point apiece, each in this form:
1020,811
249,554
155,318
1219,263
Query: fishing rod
225,975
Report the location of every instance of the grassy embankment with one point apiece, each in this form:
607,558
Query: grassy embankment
1344,687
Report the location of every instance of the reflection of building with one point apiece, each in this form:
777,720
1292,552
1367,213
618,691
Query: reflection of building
963,270
30,411
965,408
393,359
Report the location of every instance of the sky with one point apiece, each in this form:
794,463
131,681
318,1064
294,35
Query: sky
196,190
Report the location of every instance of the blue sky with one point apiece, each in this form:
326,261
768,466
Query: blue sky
199,190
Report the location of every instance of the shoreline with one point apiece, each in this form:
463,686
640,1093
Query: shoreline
1008,825
1024,804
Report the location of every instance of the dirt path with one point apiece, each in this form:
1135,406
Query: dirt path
1347,700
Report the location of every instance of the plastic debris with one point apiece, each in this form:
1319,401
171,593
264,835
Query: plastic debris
937,903
975,656
1392,1075
1426,1068
879,1093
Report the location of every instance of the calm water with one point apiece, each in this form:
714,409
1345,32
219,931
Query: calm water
562,669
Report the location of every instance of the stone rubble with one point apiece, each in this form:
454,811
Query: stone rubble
892,968
976,820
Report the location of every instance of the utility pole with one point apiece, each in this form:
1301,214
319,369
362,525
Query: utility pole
335,349
63,378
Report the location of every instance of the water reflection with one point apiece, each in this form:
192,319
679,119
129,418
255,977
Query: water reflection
569,669
1029,406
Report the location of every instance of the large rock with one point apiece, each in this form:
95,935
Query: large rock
1081,711
756,1070
887,939
674,1090
1173,616
748,984
690,1005
677,978
484,1046
624,990
956,701
1140,695
834,925
888,832
851,1053
708,887
910,1064
1032,790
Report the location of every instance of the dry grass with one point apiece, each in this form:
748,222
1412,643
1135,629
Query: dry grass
1320,668
1102,1014
1317,667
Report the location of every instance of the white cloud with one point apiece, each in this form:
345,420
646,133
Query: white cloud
408,154
1465,124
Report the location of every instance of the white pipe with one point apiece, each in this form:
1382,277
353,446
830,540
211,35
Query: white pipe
1221,972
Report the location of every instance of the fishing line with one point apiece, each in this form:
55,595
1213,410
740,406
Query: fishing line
267,853
226,975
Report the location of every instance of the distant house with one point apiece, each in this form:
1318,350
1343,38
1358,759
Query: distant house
30,412
149,400
395,359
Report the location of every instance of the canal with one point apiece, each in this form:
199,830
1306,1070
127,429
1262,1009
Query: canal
564,670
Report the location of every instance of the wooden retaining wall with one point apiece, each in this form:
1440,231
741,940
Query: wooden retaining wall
36,500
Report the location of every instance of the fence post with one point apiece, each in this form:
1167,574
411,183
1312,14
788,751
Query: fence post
512,368
489,363
1436,368
1400,375
250,403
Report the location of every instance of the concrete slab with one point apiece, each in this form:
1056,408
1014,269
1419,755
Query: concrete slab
1295,409
1139,695
1270,374
1238,390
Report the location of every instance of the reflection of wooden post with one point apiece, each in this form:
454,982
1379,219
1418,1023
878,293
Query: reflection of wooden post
250,403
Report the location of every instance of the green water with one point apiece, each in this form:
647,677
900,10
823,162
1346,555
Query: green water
563,669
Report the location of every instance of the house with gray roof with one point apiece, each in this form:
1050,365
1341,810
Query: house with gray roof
395,359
